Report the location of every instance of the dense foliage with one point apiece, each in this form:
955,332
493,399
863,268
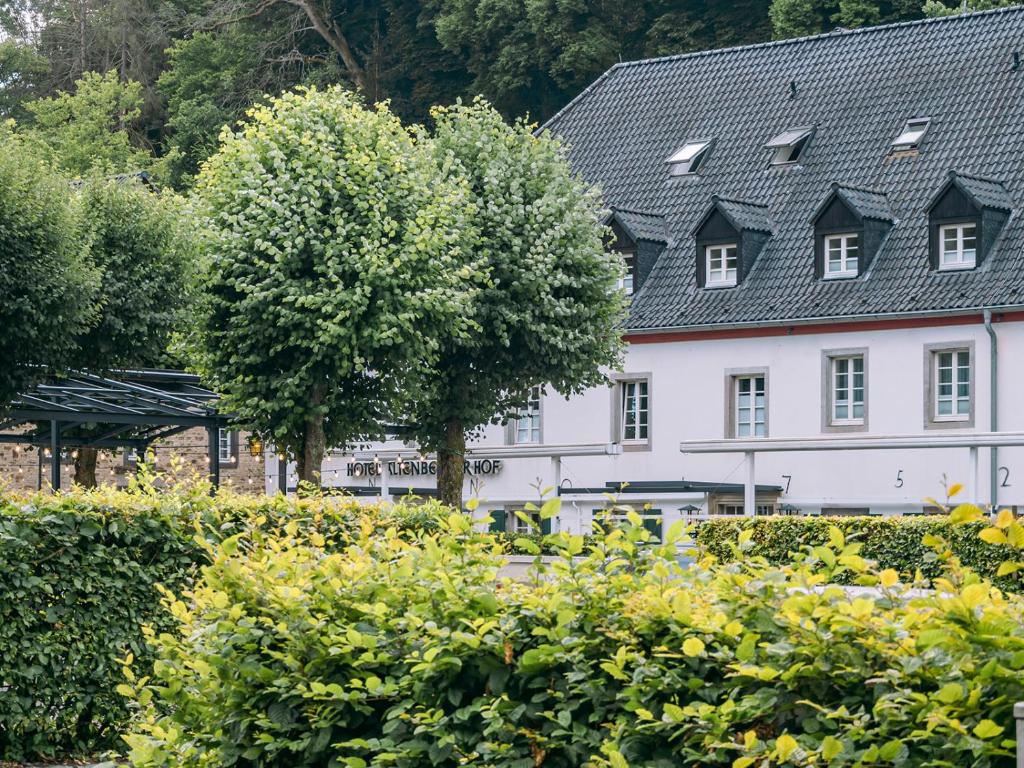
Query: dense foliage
336,263
189,68
545,307
141,243
905,544
78,576
48,280
407,652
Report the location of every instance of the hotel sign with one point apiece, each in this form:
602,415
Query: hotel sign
401,468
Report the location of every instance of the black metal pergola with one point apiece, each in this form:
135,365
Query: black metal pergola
122,409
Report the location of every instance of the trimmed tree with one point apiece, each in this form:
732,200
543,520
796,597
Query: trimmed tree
333,267
141,246
549,310
47,282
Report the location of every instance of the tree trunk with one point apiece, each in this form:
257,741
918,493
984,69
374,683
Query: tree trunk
85,467
311,457
451,464
333,35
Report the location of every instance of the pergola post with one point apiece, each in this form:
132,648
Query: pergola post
973,495
55,456
213,440
749,487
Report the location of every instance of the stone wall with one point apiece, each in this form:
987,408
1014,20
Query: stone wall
181,456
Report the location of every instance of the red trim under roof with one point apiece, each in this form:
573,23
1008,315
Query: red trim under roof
807,329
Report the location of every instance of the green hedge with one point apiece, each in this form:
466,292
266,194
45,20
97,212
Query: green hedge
411,652
893,542
78,576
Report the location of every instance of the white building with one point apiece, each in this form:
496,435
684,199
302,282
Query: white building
817,230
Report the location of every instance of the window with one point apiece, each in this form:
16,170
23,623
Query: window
635,411
626,283
750,406
735,509
952,385
610,519
911,135
958,246
841,254
689,158
721,265
225,445
789,145
847,403
527,428
517,523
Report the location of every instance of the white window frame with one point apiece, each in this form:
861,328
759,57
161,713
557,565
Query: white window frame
626,282
739,410
848,390
639,404
910,137
515,524
688,159
527,427
225,453
789,145
960,360
846,242
831,421
960,259
725,276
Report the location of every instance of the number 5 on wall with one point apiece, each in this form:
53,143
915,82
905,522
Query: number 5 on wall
899,478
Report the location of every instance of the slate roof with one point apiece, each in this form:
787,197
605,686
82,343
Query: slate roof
641,226
741,214
857,88
984,192
865,203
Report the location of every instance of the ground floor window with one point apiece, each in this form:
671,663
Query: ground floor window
730,508
607,519
731,505
519,520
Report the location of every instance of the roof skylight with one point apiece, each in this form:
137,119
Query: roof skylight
689,158
911,135
789,144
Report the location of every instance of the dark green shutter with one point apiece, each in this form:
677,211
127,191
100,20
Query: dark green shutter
545,526
653,525
498,520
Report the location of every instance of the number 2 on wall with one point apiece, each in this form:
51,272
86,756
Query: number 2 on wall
899,478
1005,482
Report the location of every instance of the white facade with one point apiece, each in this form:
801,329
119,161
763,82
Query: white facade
691,396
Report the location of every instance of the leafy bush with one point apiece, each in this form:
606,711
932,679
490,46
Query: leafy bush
408,651
892,542
78,576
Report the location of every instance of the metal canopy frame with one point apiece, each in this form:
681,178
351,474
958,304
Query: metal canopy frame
122,409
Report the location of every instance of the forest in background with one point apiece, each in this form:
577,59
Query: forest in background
125,85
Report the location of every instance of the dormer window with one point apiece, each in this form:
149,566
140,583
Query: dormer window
789,145
628,277
959,246
850,227
689,158
721,265
965,219
841,255
638,238
728,240
911,135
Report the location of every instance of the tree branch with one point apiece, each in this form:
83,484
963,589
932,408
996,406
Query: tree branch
329,30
